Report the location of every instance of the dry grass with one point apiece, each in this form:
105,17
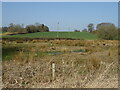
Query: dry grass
96,68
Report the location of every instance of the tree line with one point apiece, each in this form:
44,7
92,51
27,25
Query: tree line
28,29
106,31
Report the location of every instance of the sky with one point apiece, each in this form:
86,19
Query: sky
70,15
0,14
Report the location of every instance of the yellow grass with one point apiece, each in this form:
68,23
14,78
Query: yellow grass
95,68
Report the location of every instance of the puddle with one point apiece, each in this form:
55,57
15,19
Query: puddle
59,53
78,51
55,53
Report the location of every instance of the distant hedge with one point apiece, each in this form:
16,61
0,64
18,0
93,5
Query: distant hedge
28,29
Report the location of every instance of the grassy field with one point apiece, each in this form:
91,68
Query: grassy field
73,35
78,64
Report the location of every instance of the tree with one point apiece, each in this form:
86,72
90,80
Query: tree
107,31
37,25
4,29
11,28
22,30
43,28
103,24
76,30
16,28
46,29
28,29
90,27
84,30
31,28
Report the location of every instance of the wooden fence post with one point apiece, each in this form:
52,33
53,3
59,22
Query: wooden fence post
53,71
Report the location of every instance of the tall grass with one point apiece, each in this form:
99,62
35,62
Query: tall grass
30,69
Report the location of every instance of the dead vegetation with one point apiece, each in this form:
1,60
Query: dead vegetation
31,66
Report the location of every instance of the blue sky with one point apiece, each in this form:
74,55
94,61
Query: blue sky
70,15
0,14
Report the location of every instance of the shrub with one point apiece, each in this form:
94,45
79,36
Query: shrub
107,32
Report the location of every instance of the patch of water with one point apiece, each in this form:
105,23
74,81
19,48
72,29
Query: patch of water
59,53
55,53
78,51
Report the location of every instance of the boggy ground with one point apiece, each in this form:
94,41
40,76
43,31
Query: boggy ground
78,64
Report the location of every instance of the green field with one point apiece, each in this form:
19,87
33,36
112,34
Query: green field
73,35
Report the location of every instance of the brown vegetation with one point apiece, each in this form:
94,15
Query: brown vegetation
95,67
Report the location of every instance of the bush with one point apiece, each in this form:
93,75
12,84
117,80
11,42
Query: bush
76,30
108,32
